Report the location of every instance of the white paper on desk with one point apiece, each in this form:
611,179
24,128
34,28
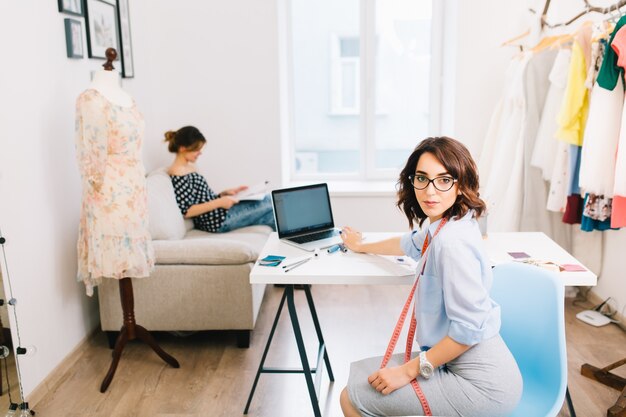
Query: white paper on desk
254,192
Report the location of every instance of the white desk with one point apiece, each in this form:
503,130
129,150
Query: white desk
334,268
539,247
361,269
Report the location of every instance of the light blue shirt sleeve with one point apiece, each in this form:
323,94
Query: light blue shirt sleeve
411,244
465,293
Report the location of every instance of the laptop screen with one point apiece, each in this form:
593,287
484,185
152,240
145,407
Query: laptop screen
302,209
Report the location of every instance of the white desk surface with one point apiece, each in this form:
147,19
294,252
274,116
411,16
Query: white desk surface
364,269
335,268
539,247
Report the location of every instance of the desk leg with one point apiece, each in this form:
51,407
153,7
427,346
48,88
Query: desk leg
301,349
318,330
267,348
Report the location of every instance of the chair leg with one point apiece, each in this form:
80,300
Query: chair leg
570,404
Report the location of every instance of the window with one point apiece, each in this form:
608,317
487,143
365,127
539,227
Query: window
360,85
345,75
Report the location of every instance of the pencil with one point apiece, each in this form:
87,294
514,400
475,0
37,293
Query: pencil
298,264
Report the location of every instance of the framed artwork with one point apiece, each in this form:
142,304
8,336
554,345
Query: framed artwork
74,38
123,16
71,7
101,21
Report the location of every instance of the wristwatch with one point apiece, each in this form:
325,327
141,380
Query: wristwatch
426,368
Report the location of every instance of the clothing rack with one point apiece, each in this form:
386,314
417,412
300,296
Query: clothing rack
588,9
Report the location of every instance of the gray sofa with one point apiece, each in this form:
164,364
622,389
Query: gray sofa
200,281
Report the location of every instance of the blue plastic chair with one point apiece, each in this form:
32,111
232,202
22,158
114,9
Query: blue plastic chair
533,327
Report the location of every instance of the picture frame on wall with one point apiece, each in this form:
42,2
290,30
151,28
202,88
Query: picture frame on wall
74,38
102,32
74,7
126,46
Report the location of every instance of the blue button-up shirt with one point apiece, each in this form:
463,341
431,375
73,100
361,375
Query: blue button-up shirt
453,293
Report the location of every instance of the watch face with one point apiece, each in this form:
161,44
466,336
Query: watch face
426,369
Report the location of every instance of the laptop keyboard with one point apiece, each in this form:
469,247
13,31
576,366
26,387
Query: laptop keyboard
315,236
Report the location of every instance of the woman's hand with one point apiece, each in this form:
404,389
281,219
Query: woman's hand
227,202
352,239
233,191
387,380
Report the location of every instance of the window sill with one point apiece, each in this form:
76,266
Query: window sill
355,188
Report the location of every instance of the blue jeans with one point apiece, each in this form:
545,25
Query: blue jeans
249,213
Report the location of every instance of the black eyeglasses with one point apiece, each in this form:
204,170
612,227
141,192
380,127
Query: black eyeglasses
421,182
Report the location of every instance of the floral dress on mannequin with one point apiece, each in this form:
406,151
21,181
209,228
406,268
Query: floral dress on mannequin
113,237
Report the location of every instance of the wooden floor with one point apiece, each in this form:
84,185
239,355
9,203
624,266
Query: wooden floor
215,376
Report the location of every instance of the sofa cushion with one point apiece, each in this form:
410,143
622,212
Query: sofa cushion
165,219
203,248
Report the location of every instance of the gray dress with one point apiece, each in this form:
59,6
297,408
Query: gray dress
483,381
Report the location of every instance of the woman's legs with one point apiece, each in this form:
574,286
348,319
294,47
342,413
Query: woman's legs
346,405
483,381
249,213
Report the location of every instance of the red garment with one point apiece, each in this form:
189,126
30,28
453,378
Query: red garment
573,209
618,212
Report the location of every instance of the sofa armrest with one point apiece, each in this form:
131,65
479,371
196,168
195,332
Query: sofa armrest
203,252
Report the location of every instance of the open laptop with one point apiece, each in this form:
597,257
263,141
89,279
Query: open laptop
304,217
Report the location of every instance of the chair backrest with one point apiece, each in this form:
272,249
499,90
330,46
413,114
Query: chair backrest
533,327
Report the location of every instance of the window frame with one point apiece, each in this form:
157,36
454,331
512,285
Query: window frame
367,98
337,62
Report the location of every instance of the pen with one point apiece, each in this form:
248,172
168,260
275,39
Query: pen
298,264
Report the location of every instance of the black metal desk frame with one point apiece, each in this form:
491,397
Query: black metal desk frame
313,386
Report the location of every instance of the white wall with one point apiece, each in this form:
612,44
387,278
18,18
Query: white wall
39,184
212,64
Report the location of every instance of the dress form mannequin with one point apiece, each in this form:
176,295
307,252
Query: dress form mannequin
106,83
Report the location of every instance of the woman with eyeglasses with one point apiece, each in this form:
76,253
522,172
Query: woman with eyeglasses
210,212
462,366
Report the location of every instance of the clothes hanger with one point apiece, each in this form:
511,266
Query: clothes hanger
549,41
604,32
570,36
615,14
513,41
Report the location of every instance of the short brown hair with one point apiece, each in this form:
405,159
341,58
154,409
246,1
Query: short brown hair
458,162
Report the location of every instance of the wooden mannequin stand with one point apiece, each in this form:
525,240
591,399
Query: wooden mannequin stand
609,379
130,329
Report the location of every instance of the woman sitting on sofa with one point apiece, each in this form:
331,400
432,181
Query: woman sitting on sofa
210,212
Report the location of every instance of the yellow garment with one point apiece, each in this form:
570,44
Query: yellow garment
575,106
